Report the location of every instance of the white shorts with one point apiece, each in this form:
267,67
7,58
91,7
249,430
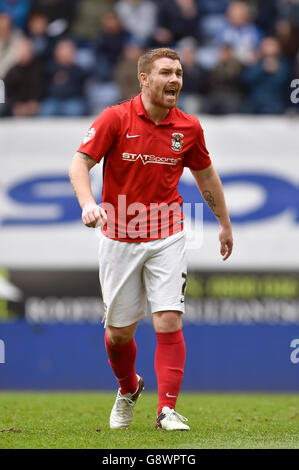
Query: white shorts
132,273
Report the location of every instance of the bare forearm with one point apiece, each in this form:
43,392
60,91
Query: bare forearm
210,186
79,177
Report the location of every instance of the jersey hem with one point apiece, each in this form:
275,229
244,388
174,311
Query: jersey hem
142,240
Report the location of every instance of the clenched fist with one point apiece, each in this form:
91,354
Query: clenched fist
93,215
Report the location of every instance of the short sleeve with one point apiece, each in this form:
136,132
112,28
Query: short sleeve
101,135
198,158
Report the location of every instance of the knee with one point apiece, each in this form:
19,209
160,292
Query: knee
119,336
167,322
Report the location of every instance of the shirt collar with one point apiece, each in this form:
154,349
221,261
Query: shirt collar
140,109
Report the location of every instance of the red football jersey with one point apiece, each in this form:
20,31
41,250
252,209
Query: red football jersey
143,163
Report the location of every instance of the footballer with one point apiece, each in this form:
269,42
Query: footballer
145,143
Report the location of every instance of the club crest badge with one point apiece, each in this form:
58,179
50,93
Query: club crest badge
177,140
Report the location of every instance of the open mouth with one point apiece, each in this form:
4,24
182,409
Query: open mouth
170,93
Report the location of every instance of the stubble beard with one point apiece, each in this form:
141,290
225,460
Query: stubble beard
162,101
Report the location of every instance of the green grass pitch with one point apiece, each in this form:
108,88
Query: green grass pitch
30,420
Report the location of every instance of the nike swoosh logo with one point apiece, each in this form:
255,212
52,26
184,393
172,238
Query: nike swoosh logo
182,301
132,136
170,396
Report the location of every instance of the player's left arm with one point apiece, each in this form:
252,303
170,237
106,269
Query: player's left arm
210,186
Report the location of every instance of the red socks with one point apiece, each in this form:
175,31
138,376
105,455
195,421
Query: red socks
122,360
169,367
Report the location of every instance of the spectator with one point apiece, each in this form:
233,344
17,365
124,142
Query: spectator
60,14
138,17
176,19
25,82
220,43
101,90
268,80
125,71
288,35
65,90
240,33
87,24
9,40
109,45
212,18
195,79
17,9
226,84
37,32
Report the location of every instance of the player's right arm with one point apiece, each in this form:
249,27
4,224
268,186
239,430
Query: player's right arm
96,143
79,177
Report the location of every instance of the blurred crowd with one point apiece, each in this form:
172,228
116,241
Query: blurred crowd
75,57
